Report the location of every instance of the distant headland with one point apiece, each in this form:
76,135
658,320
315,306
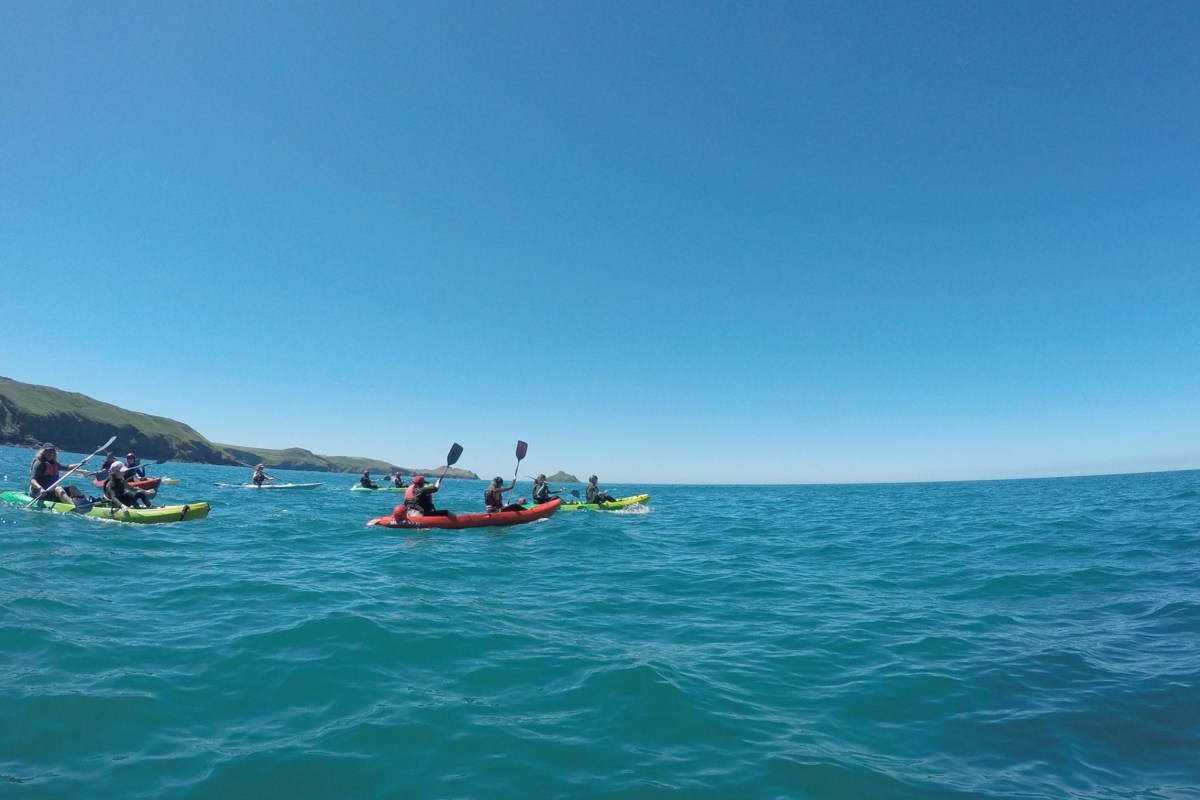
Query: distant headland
30,415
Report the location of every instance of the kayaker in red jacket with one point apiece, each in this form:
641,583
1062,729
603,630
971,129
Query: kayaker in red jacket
43,473
418,499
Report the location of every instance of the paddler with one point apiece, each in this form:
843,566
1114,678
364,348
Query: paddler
260,475
418,499
398,480
594,494
493,496
365,481
133,470
120,492
542,490
44,472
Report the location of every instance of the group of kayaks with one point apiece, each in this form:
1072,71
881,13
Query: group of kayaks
400,518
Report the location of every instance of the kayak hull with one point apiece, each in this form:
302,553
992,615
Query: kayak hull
158,514
358,487
614,505
270,485
454,521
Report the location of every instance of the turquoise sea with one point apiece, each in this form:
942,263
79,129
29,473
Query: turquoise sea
1015,639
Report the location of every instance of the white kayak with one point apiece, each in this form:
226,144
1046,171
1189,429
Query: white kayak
270,485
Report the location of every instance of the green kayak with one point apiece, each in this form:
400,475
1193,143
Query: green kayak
101,511
612,505
358,487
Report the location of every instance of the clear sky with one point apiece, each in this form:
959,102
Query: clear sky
664,242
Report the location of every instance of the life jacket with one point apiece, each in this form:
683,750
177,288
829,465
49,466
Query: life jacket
49,472
493,499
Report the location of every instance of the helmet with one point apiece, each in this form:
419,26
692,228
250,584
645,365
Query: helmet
593,479
541,477
497,481
131,455
418,479
117,467
260,466
366,472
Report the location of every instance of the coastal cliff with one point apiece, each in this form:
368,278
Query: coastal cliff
31,414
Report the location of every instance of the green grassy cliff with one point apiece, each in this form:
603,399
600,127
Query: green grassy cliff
30,415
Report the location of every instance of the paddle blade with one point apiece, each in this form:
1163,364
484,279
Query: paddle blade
522,448
452,456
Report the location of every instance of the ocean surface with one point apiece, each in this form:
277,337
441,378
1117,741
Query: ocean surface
1015,639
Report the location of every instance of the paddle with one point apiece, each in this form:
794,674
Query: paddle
143,464
522,449
70,472
451,458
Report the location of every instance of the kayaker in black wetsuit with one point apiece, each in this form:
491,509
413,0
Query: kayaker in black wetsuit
134,471
365,480
418,498
493,496
398,480
43,472
593,493
120,492
261,475
542,490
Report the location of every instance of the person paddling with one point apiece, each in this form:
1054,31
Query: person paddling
595,494
117,490
542,490
261,475
365,480
418,499
43,474
398,480
133,470
493,496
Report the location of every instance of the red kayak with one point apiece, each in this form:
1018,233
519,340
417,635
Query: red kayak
146,483
455,521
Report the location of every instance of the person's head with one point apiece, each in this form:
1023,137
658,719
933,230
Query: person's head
48,452
117,470
398,474
418,480
366,472
497,481
260,466
593,479
131,458
541,478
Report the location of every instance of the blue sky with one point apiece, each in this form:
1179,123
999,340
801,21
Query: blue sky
663,242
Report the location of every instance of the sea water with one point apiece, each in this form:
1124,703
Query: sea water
1023,639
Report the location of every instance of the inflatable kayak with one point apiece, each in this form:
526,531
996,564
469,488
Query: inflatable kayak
612,505
454,521
141,483
358,487
270,485
102,511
